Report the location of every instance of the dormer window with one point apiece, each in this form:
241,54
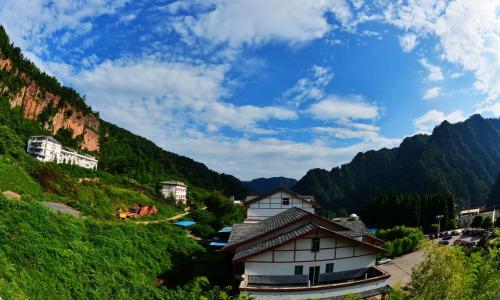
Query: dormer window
286,201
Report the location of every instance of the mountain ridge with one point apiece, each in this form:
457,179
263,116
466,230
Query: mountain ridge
263,186
461,158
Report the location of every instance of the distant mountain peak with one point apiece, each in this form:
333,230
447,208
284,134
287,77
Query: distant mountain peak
461,158
261,186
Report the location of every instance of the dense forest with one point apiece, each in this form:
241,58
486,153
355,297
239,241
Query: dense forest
121,152
389,210
462,159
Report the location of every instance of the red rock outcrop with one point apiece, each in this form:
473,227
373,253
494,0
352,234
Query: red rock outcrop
33,100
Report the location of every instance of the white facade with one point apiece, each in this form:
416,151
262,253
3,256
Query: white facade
345,255
299,255
318,292
48,149
175,188
466,216
341,254
260,208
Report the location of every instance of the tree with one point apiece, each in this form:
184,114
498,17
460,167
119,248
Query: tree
448,273
477,222
434,228
494,196
497,222
486,222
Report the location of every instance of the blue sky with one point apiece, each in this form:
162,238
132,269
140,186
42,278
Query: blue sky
259,88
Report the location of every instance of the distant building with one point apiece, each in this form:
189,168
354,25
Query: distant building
465,217
296,254
175,188
262,207
48,149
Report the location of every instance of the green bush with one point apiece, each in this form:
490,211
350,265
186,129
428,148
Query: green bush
400,239
202,230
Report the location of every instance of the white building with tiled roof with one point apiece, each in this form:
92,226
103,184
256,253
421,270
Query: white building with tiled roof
298,255
48,149
175,188
259,208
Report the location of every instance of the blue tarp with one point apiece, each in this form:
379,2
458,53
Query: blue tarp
217,244
185,223
226,229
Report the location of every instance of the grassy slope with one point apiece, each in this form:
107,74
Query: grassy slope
46,255
14,178
49,255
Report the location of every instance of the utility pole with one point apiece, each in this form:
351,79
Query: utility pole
439,217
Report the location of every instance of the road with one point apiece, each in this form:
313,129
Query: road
400,267
62,208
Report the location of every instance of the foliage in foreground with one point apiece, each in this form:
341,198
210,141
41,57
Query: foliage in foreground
449,273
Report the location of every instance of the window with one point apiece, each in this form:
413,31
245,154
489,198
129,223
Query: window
315,245
286,201
329,268
299,270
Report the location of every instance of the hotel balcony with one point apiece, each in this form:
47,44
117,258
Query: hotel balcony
367,282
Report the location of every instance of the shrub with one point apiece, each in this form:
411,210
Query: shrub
487,223
400,239
477,222
202,230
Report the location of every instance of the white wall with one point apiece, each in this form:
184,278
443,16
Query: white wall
317,294
337,251
179,192
53,151
273,205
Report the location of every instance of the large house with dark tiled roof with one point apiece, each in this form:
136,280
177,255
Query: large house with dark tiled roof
296,254
262,207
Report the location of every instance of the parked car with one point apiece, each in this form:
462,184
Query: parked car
383,261
447,238
444,242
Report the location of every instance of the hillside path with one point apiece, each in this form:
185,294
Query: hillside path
164,220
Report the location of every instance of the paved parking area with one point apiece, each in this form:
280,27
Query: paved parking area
460,237
400,267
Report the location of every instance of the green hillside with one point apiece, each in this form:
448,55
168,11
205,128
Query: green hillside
121,152
462,159
49,255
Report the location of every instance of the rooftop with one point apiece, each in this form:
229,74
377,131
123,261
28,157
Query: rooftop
172,182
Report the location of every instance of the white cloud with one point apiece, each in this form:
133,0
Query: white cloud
310,87
467,32
334,108
432,118
252,22
435,73
165,92
408,42
432,93
31,23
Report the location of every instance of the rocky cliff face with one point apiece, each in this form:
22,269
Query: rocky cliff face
34,101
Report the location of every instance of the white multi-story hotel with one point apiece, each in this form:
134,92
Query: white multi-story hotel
299,255
279,200
175,188
48,149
